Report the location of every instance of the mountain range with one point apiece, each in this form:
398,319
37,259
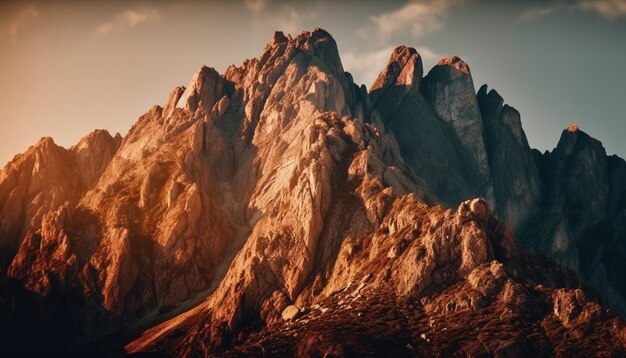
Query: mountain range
281,209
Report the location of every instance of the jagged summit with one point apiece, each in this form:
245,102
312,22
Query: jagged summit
573,136
278,38
45,141
319,33
454,62
205,89
98,135
492,94
403,69
572,127
403,51
172,100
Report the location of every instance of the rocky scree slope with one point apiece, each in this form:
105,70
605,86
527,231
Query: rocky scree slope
282,185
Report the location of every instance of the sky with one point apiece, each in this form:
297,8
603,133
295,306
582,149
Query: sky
69,67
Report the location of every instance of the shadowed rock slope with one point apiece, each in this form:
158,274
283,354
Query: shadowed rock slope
568,204
299,214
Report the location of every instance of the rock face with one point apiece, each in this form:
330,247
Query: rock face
428,144
580,219
449,89
517,186
461,144
465,145
281,196
44,178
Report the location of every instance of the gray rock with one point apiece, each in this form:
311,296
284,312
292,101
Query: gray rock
517,185
427,143
580,220
449,89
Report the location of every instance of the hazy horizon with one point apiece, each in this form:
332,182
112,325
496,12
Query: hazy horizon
69,68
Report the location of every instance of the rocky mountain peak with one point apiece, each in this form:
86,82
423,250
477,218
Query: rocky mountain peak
319,33
322,45
449,88
401,76
315,47
305,70
574,140
93,153
403,51
45,143
454,62
576,182
572,128
490,96
404,68
278,38
49,176
172,100
206,87
492,108
97,137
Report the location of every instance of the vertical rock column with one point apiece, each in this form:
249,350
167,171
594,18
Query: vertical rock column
449,89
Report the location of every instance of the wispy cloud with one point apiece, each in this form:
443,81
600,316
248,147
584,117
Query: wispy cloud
17,23
366,65
288,20
416,17
256,6
536,13
288,16
608,9
429,55
128,19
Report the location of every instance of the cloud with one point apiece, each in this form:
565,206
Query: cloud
256,6
608,9
429,55
537,13
17,23
289,20
289,16
128,19
366,65
416,17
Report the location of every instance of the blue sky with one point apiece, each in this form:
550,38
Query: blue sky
70,67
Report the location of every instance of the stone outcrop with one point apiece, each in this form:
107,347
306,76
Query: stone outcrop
580,218
427,143
402,75
44,178
449,89
517,186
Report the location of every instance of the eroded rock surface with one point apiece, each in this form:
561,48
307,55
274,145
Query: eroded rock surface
517,185
449,89
580,220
